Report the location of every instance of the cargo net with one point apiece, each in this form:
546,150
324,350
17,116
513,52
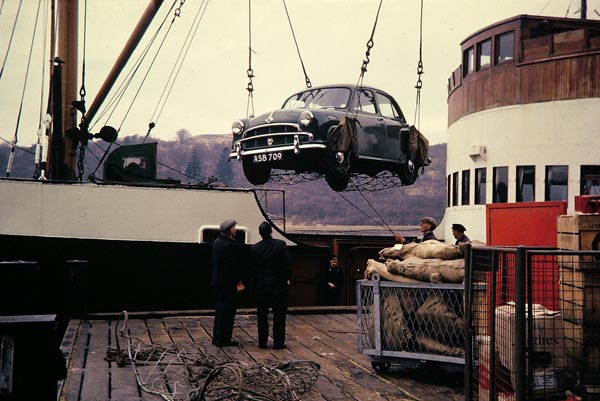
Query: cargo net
178,372
358,182
414,318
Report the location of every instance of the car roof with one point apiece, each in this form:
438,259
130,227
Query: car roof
349,86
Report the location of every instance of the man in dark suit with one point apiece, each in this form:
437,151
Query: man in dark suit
272,265
458,232
226,281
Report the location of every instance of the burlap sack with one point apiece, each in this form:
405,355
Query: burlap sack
428,270
437,320
374,266
395,333
398,251
435,249
431,346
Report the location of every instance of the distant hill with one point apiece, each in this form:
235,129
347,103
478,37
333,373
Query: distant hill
196,158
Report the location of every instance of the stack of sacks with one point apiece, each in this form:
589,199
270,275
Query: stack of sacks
429,261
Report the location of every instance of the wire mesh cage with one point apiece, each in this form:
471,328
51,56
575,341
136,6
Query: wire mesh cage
423,321
535,331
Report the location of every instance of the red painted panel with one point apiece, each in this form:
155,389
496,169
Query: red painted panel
523,223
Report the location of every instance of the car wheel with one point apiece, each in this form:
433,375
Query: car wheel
256,174
337,175
408,173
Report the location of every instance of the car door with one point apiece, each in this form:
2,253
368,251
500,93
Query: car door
394,123
371,134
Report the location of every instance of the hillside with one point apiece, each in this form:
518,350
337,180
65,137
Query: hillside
308,203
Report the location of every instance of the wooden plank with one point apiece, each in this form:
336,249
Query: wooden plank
123,382
96,377
67,348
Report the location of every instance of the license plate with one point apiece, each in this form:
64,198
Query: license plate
268,157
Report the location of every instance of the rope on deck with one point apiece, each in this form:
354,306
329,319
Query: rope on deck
179,372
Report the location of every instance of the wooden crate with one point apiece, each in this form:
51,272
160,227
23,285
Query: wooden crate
582,351
580,232
579,303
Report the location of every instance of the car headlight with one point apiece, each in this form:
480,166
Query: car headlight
237,127
306,118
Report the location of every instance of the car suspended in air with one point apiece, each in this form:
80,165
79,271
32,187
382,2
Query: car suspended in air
338,131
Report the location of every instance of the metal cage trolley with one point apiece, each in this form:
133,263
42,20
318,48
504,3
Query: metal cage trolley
416,321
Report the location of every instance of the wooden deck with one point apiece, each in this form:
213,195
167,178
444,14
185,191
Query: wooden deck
327,339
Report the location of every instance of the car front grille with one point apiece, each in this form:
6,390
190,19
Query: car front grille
258,137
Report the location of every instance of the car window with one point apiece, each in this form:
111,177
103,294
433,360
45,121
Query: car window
365,101
387,108
322,98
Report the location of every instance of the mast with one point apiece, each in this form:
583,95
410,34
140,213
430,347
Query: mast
64,52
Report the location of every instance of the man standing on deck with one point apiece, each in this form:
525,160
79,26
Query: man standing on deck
333,282
272,265
428,224
226,281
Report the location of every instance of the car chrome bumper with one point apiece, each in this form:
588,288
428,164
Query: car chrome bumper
296,147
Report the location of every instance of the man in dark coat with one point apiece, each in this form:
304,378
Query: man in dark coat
334,282
226,281
428,224
272,265
458,231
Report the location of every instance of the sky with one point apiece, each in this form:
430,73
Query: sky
210,90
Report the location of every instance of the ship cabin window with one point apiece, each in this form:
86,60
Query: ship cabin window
525,184
468,61
505,47
466,187
557,179
590,180
484,54
500,194
480,177
449,190
455,189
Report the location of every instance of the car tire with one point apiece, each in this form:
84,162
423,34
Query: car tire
381,367
408,173
256,174
337,175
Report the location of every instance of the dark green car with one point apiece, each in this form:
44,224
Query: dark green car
336,131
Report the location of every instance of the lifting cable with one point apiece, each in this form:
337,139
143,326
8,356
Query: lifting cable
10,40
419,84
120,91
249,71
183,52
306,79
18,123
365,214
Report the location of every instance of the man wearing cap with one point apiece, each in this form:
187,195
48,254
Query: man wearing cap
428,224
272,265
226,281
458,231
333,282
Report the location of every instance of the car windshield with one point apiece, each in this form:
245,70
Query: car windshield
323,98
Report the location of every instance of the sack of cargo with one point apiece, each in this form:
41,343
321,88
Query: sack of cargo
398,251
396,334
439,321
374,266
428,270
431,346
436,249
